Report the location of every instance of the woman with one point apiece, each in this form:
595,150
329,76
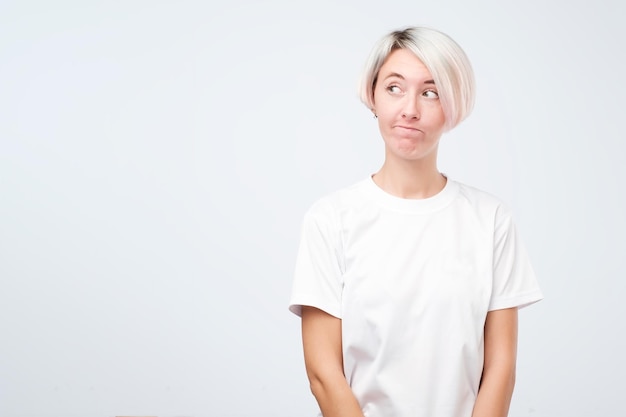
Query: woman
408,283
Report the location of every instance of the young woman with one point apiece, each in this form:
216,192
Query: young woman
408,282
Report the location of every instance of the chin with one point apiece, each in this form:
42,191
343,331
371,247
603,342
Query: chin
414,153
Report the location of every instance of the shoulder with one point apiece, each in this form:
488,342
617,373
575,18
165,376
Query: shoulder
477,196
322,223
481,200
486,208
333,204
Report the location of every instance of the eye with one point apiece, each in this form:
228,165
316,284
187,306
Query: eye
394,89
430,94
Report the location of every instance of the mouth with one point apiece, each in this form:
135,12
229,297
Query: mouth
407,129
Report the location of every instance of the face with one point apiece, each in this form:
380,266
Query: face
406,101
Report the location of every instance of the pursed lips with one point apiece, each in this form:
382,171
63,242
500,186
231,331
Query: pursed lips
408,128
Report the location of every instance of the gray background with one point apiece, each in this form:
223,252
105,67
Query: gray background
156,159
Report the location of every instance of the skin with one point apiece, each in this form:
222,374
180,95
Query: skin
498,380
411,122
321,338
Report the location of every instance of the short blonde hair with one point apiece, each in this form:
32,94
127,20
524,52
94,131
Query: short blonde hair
444,58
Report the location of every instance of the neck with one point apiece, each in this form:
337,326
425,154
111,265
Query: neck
410,179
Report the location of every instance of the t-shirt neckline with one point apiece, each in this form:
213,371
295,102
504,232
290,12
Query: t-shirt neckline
419,206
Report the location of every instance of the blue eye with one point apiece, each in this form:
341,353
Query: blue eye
394,89
430,94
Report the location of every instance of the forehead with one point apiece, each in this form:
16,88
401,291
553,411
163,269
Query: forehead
404,63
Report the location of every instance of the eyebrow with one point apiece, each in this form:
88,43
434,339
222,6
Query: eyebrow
395,74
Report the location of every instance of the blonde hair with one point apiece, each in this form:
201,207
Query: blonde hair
444,58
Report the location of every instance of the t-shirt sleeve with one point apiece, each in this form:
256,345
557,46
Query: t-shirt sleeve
514,281
318,271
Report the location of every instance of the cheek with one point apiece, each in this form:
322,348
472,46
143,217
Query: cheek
380,97
386,118
384,107
436,117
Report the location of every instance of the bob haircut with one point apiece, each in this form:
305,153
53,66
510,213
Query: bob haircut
444,58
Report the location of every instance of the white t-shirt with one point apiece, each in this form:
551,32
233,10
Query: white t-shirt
412,281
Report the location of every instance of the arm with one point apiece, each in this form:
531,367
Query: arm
321,337
498,380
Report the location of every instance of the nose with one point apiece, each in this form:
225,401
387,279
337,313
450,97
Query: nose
411,109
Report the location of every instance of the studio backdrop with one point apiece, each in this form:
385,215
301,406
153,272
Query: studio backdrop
157,158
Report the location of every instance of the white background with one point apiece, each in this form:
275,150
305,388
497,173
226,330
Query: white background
156,159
